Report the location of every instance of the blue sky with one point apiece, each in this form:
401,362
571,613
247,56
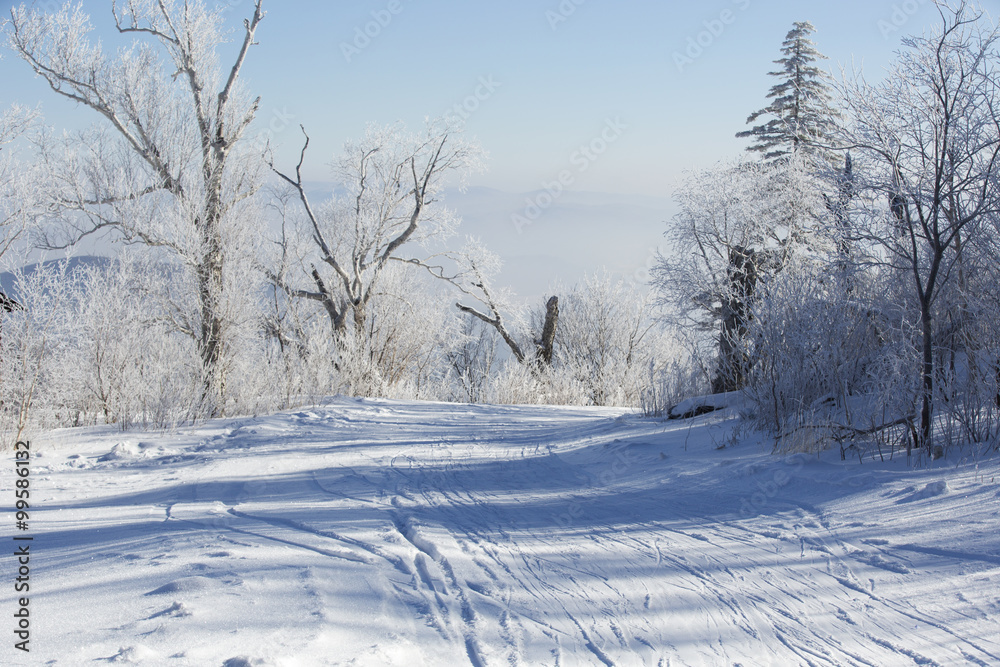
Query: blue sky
549,73
671,82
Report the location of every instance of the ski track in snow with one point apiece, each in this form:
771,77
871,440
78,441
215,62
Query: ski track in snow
370,532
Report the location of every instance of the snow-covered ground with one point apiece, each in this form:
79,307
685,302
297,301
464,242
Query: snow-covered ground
369,532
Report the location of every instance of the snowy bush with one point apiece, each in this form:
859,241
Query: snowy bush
811,343
671,379
473,360
514,384
605,342
37,351
134,367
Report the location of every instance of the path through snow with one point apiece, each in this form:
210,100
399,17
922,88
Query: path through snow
394,533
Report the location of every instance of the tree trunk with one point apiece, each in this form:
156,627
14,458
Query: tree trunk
210,340
547,342
998,387
338,315
360,317
727,375
927,376
742,277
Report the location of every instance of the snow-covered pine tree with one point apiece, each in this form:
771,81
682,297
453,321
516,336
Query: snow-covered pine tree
801,116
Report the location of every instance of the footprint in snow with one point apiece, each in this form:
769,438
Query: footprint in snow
877,560
185,585
176,610
123,451
932,490
241,661
135,655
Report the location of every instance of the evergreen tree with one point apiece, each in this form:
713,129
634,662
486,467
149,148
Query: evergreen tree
800,116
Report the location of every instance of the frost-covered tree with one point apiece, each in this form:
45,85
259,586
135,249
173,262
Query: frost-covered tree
362,255
390,213
801,116
928,136
490,304
738,225
532,347
169,167
19,182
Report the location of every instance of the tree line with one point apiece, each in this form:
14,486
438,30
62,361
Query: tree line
846,279
204,310
841,276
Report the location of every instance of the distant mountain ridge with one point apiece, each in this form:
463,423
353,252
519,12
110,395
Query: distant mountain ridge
567,236
574,235
577,234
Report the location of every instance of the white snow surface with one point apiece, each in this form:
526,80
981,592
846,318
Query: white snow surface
372,532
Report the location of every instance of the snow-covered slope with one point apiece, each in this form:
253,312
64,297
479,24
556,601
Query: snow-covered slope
371,532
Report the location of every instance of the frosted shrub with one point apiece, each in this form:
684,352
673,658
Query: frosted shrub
402,350
812,348
37,367
135,368
605,341
670,380
473,360
303,365
514,384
